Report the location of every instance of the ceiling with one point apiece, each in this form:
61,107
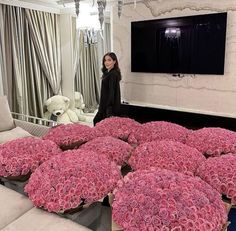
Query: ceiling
55,3
59,6
47,3
66,3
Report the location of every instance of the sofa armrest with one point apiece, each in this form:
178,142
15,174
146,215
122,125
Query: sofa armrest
34,129
33,125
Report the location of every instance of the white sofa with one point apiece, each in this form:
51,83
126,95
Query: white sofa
13,205
17,211
11,129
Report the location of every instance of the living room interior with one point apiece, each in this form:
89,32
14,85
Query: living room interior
61,67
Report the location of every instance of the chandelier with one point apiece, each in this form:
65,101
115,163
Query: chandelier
101,8
172,33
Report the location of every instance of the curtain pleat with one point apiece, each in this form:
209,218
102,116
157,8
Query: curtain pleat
87,79
38,87
45,34
90,50
27,80
16,31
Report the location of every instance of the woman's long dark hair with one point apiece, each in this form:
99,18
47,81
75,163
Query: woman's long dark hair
114,58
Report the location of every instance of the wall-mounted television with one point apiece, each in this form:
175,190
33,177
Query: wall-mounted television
187,45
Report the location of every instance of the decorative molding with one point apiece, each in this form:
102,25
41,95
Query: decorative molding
174,5
31,6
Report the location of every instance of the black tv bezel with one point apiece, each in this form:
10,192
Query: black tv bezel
160,21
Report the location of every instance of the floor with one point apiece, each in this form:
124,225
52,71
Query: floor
96,217
232,219
104,223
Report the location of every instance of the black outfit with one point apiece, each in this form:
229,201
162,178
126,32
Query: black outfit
110,96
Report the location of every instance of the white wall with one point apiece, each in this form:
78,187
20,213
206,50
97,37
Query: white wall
207,94
1,83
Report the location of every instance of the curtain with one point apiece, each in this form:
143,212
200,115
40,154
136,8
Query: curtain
29,76
37,85
12,55
45,34
87,79
90,46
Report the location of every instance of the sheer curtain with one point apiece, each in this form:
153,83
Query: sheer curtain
87,79
91,45
30,66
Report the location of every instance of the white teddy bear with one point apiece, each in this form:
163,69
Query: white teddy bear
58,110
79,106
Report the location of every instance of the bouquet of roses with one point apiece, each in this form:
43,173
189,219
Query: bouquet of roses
69,136
213,141
165,154
158,130
160,199
114,149
118,127
74,178
220,173
22,156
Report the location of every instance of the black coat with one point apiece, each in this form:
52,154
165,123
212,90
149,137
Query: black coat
110,100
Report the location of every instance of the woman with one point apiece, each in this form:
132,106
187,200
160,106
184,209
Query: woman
110,88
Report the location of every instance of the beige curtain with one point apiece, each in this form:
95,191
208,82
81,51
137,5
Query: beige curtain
46,38
38,87
87,79
12,47
29,79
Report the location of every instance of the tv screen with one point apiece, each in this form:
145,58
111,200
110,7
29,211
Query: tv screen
187,45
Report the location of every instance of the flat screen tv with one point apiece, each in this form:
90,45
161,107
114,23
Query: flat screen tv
187,45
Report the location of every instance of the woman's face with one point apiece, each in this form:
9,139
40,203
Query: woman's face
109,62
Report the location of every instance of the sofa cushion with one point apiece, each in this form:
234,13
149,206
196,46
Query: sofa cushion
13,134
13,205
37,219
6,120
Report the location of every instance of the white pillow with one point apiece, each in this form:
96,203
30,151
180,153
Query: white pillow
13,134
6,120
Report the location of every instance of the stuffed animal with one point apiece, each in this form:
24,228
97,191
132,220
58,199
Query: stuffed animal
58,110
79,106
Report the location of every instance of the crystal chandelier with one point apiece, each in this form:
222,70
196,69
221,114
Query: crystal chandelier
101,7
172,33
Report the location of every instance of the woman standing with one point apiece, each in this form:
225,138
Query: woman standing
110,88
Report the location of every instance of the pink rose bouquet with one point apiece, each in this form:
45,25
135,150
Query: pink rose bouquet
160,199
118,127
22,156
212,141
114,149
220,173
69,136
158,130
67,181
165,154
